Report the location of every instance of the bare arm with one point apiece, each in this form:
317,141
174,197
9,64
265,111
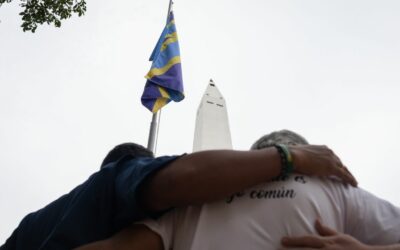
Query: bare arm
329,239
212,175
135,237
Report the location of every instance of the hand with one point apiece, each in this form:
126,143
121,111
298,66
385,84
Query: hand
320,161
328,239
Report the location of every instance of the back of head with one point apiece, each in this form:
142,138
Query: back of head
284,136
124,149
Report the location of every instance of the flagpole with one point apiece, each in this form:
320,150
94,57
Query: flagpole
169,8
155,121
153,134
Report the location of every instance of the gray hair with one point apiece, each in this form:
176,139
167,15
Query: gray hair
284,136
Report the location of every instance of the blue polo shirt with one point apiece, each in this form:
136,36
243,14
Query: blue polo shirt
94,210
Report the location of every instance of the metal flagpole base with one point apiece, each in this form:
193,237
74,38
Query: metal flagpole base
153,135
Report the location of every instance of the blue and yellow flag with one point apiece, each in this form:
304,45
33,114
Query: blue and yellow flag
164,80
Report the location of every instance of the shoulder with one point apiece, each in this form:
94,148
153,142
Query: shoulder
145,163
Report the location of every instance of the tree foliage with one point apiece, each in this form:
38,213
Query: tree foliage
37,12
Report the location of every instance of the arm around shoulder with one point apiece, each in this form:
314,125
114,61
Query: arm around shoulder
211,175
208,176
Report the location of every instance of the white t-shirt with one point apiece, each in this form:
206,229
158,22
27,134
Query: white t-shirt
257,218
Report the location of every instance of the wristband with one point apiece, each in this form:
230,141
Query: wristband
286,159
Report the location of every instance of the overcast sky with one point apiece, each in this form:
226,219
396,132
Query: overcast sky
328,70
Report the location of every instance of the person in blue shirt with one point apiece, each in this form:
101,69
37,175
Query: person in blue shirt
132,185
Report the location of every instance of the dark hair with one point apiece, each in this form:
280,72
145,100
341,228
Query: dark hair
284,136
128,148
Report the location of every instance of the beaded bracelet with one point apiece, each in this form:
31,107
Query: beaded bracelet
286,159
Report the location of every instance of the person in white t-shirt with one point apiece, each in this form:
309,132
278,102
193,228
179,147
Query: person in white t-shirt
257,218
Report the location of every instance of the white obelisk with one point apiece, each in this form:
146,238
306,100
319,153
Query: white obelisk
212,125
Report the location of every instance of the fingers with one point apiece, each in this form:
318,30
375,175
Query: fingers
308,160
305,241
344,174
348,171
324,230
339,162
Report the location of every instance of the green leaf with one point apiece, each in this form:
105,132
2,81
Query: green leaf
38,12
